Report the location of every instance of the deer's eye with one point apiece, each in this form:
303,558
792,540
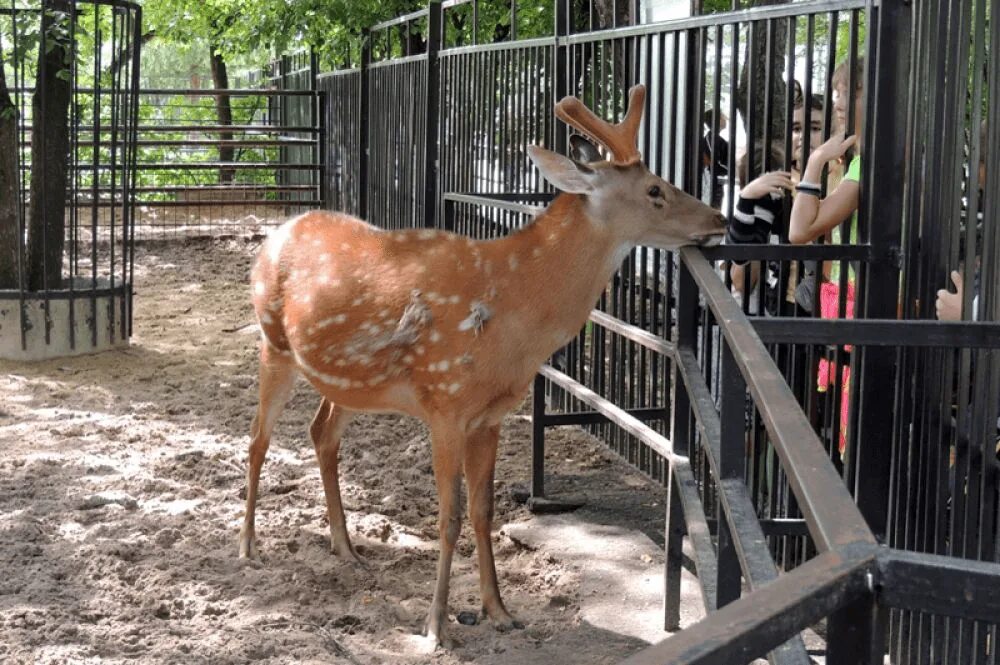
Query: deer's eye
654,191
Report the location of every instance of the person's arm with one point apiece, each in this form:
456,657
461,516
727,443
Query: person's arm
812,217
752,221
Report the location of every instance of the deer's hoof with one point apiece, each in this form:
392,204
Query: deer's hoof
351,555
248,549
503,621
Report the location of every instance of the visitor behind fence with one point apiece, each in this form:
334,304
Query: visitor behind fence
759,219
813,217
715,148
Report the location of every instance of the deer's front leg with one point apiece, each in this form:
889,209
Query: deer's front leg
447,475
327,428
480,462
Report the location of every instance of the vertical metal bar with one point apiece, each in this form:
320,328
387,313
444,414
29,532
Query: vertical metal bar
681,434
856,634
538,437
888,89
363,109
732,466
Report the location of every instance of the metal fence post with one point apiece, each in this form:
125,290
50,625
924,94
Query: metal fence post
732,466
560,59
432,118
680,435
885,138
366,59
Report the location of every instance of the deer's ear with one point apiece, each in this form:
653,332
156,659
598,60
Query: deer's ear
583,150
564,174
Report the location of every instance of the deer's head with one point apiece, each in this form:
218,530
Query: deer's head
643,208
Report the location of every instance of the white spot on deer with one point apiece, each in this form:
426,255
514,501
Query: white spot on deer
454,388
341,362
512,262
357,301
454,300
317,242
435,337
427,234
408,359
464,359
375,380
337,319
434,297
258,288
329,379
479,314
277,240
442,386
345,246
324,257
553,237
265,318
536,252
420,350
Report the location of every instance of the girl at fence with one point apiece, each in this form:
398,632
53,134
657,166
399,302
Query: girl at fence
813,217
758,216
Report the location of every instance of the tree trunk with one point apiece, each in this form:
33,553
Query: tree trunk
9,196
776,94
50,150
224,111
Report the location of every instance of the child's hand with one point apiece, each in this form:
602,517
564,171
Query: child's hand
834,148
774,181
949,305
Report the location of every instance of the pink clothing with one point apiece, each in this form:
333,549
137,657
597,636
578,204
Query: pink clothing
829,307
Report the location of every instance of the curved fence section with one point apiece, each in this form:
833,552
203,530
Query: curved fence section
68,120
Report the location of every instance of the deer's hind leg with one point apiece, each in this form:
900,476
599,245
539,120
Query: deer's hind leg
277,376
326,431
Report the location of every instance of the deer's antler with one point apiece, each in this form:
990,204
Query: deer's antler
621,139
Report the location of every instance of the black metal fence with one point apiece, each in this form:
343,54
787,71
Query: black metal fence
199,176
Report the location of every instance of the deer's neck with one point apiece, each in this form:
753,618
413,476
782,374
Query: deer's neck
556,269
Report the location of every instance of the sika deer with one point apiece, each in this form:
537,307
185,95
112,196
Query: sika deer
449,329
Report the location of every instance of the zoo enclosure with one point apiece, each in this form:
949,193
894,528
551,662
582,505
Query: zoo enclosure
438,138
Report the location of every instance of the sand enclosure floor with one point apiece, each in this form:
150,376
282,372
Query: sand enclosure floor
120,508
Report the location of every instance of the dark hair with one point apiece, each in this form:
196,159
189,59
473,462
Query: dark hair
708,117
743,164
816,100
842,74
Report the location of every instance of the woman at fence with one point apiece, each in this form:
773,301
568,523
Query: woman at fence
758,216
813,217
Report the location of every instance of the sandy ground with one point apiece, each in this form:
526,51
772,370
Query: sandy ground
120,509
